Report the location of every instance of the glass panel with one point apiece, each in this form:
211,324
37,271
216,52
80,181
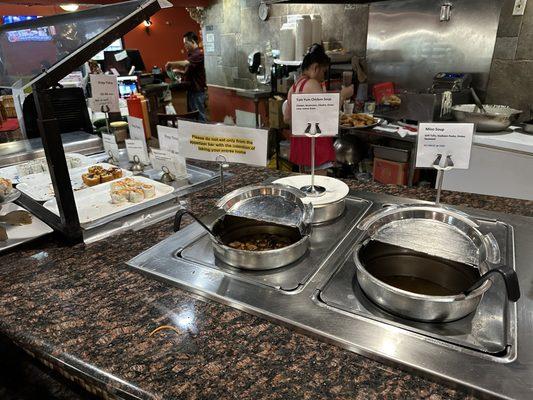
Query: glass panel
28,47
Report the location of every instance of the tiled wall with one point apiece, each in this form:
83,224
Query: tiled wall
239,31
511,75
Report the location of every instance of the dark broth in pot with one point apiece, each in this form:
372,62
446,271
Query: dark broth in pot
416,272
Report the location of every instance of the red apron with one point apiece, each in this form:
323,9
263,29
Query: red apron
300,153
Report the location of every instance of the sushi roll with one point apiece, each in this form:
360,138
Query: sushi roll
148,190
130,182
136,195
118,185
90,179
106,177
120,196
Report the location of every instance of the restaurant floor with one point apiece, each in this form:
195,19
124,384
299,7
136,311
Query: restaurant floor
23,378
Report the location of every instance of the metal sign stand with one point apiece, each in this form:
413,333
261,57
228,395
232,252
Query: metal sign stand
448,165
222,164
313,190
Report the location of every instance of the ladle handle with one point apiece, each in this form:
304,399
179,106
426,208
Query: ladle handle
179,215
477,101
509,277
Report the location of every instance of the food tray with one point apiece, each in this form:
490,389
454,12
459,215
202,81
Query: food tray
379,121
95,207
12,174
39,186
19,234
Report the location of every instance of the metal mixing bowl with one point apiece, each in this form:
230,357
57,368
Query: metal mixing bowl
497,118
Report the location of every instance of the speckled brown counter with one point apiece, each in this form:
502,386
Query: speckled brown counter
80,310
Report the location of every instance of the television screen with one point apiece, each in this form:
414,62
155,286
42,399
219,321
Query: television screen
10,19
26,35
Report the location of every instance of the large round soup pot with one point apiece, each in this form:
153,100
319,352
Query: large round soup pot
230,229
428,262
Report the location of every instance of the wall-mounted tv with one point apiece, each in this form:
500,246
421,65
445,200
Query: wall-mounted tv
26,35
10,19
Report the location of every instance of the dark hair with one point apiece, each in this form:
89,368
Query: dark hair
315,54
191,37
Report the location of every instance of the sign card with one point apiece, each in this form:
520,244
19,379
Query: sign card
237,144
447,140
104,90
110,144
315,114
136,128
137,148
168,138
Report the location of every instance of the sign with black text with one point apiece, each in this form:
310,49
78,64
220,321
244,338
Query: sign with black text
104,89
237,144
315,114
440,141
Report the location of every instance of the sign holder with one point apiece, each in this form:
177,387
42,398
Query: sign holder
313,190
222,165
448,165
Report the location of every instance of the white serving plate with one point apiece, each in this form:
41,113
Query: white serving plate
17,235
95,207
12,174
39,186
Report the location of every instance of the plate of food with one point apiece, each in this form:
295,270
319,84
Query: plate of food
7,193
358,121
99,204
38,166
18,226
39,186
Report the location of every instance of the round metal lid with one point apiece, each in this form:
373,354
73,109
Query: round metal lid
336,189
432,229
278,204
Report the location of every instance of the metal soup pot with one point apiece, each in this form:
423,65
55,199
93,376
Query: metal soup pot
255,210
399,272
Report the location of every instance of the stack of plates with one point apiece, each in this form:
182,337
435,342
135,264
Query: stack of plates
330,204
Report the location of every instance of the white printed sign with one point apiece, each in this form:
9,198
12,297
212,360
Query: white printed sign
110,144
174,162
169,138
104,90
236,144
315,114
440,141
136,128
137,148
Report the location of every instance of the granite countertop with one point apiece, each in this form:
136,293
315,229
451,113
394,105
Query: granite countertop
83,312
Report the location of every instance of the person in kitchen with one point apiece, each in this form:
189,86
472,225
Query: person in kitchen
314,67
193,71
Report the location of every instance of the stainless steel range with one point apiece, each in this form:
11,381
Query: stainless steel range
489,351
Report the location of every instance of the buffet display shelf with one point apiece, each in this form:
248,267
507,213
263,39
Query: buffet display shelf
12,153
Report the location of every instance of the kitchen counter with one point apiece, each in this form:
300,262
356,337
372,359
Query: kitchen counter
84,313
506,140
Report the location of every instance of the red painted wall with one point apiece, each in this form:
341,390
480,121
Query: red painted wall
224,102
163,41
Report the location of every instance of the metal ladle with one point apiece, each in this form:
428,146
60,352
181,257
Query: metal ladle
477,101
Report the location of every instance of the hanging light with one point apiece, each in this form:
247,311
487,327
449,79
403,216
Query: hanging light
147,23
70,7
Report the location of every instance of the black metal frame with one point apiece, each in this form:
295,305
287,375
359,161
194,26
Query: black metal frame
68,222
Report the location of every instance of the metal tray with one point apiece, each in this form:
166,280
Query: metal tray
379,121
19,234
95,208
39,186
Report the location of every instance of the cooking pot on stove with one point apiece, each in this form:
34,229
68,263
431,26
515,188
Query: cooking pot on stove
428,262
275,212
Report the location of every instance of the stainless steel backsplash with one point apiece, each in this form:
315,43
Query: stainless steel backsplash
407,44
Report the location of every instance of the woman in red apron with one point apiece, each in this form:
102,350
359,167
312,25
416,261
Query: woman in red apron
314,67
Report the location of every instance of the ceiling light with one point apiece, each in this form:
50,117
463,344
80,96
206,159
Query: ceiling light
70,7
147,23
